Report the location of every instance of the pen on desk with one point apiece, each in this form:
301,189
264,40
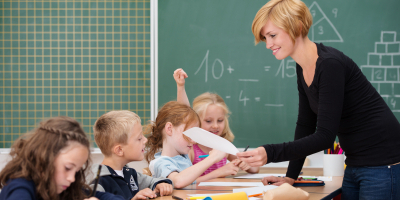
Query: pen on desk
96,182
175,197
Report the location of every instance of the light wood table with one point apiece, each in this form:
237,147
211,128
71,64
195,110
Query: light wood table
316,192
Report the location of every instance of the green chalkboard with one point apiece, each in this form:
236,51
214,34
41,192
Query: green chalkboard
74,58
212,41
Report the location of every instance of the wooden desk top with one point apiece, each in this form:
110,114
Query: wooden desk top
317,192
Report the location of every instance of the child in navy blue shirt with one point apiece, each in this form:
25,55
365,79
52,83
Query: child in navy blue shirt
120,138
50,163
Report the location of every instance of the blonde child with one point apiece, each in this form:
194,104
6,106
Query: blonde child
120,138
49,163
214,115
166,133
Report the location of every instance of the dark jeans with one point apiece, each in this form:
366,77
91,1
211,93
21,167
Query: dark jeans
377,182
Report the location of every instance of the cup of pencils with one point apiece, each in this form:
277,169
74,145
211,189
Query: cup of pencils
334,161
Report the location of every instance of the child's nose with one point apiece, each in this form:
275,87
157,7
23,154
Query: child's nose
71,177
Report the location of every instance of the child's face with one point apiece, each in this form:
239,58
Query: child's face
214,119
182,146
134,149
69,161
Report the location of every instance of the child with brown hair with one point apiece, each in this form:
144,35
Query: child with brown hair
50,163
166,133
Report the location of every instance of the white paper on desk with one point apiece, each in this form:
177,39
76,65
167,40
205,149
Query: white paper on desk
232,184
211,140
255,190
259,176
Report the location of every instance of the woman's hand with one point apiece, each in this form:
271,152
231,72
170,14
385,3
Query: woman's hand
179,76
91,198
273,180
255,158
164,189
144,194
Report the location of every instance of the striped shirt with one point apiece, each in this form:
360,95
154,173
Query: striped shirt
198,152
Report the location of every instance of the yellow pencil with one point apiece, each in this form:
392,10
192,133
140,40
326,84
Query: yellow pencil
197,197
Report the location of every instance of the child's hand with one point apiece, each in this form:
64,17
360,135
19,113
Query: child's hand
143,194
241,164
217,155
179,76
229,169
164,189
91,198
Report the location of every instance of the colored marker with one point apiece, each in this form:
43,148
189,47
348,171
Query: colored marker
308,181
203,156
254,195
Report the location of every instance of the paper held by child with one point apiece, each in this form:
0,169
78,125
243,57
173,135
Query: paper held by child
211,140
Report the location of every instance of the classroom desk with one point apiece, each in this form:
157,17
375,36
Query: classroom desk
315,192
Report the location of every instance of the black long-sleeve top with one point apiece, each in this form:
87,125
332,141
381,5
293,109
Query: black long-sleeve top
339,102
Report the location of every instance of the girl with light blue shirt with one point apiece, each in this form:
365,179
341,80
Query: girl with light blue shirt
172,162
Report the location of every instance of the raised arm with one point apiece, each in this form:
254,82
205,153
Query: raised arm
180,76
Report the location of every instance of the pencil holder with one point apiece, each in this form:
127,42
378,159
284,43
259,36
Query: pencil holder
333,164
232,196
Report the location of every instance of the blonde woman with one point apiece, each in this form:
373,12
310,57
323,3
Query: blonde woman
335,99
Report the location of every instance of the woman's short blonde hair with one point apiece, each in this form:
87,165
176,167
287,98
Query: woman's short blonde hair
292,16
201,103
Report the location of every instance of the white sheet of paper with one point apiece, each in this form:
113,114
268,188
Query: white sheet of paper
255,198
260,176
255,190
232,184
211,140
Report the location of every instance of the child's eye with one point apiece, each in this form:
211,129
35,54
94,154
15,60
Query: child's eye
221,120
272,36
67,169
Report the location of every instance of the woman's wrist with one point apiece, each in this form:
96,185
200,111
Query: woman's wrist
289,180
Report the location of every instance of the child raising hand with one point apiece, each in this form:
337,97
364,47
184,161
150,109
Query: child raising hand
214,114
